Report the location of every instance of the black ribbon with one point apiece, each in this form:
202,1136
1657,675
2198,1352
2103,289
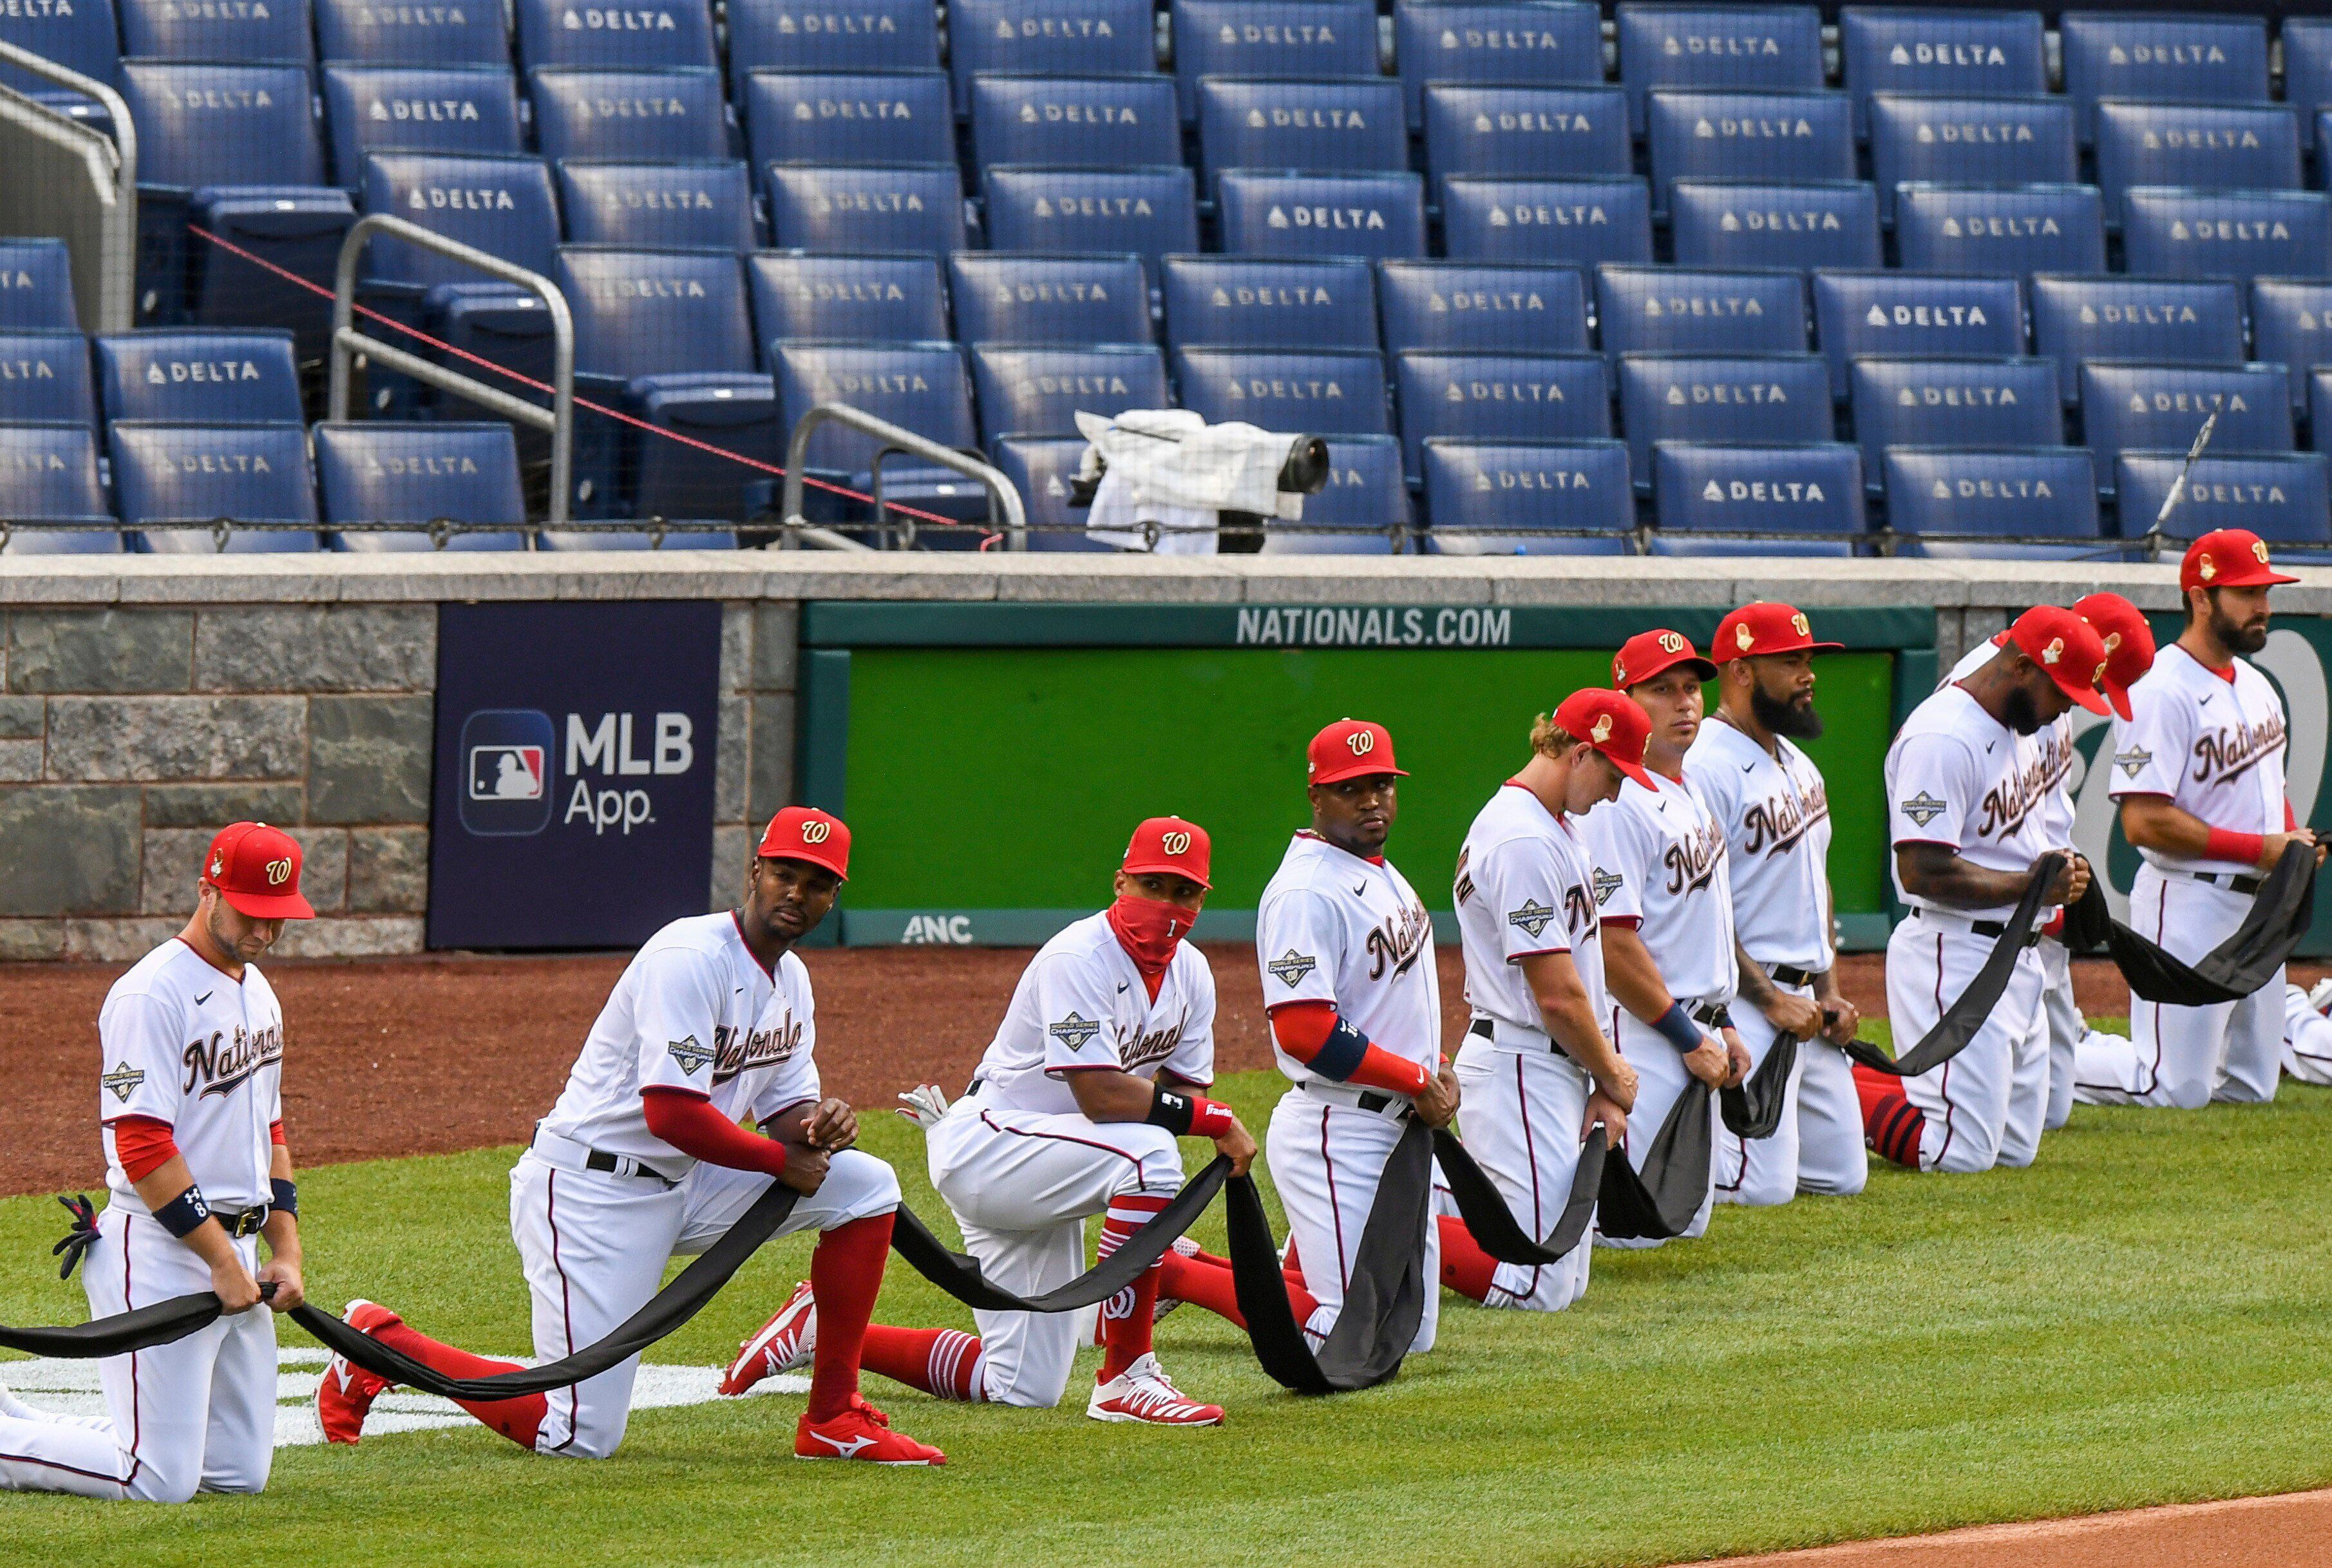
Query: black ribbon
2272,928
1965,1018
1752,1109
1493,1225
1663,1200
140,1329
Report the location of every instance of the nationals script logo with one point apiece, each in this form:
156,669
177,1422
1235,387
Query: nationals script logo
736,1050
1395,945
228,1060
1776,823
2227,751
1693,859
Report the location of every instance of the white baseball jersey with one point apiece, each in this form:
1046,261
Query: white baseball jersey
1336,928
694,1010
1659,860
1958,777
183,1043
1775,813
2056,746
2215,747
1523,887
1081,1005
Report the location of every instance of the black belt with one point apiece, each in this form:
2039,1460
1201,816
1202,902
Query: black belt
1712,1015
1789,974
1991,928
242,1221
2233,881
1489,1031
1373,1102
615,1165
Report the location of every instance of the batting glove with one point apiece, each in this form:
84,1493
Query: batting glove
923,1105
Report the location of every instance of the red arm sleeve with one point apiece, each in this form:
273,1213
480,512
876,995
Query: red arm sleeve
275,1131
143,1144
2291,817
1302,1028
689,1124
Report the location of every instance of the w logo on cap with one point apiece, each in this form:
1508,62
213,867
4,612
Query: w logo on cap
1670,642
279,872
1175,843
1362,742
816,832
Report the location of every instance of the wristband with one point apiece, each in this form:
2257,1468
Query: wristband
286,1198
1340,1057
182,1216
2226,844
1172,1111
1209,1118
1676,1026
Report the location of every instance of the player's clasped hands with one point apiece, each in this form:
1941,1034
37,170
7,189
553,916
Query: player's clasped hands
1793,1014
1437,1103
834,1125
237,1291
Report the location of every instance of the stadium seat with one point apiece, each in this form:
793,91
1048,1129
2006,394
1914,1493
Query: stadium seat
906,206
1364,503
918,385
1578,222
1002,298
2226,234
2319,407
1147,210
2157,319
418,473
501,205
2207,146
1265,213
36,284
48,474
1787,138
699,206
1529,498
197,378
1048,38
237,474
1040,468
1750,224
2279,497
1328,392
1482,305
1529,132
1650,310
83,37
1733,46
2132,408
416,108
2292,324
1732,496
1960,55
1898,314
368,32
2308,70
1039,390
848,118
641,116
1768,399
689,480
1097,121
1499,398
2138,55
1269,38
45,378
1502,44
1256,302
810,294
640,34
1991,403
2005,230
216,35
1968,141
1979,501
814,36
1321,125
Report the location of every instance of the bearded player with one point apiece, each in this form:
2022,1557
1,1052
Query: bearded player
1099,1066
643,1159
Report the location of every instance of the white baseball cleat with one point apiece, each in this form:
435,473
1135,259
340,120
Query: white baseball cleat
782,1344
1142,1393
1184,1248
2320,998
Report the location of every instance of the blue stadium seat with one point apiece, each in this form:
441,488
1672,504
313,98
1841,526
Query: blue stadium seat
501,205
1364,503
2137,55
197,378
2208,145
36,284
2319,407
1330,392
1740,46
1254,302
1898,314
642,116
1532,132
1736,493
706,204
1499,398
1040,468
48,474
723,411
817,35
640,34
1582,222
2226,234
1789,137
1972,500
1961,54
1500,43
79,36
1270,38
906,206
1265,213
418,109
848,117
2132,408
1768,399
1482,305
205,125
918,385
1003,298
1150,212
219,35
877,298
243,473
1968,141
457,33
2010,230
1039,391
2159,320
1650,310
2308,70
2279,497
1314,124
1501,497
1048,38
451,471
45,378
1750,224
1098,122
1918,402
2292,324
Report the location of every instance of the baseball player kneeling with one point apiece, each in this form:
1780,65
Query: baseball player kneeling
1074,1111
643,1159
2308,1033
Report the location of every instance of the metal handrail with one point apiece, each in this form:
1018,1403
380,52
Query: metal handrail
116,312
1015,523
347,343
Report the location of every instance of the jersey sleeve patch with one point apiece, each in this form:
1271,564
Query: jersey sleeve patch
1603,883
1290,966
1534,917
1075,1032
2133,761
1922,807
123,1080
692,1056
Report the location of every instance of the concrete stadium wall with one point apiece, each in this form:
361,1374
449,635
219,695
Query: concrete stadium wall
145,699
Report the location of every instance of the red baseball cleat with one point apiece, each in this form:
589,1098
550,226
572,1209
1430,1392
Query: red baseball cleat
346,1392
864,1433
781,1344
1142,1393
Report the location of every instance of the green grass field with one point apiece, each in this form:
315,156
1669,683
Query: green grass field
2145,1316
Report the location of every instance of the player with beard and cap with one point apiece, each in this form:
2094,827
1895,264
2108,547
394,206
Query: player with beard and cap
1967,789
2199,769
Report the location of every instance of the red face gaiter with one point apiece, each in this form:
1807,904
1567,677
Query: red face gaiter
1149,931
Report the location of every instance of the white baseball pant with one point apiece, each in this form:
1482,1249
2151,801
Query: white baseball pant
2307,1038
1326,1159
198,1414
2187,1056
1520,1111
594,1248
1984,1107
1022,1184
1660,1077
1818,1146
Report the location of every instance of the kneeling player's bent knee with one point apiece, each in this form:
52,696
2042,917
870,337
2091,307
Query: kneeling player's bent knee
1155,1159
857,1186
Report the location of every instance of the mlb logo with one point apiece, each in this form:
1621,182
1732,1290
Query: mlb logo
505,761
506,773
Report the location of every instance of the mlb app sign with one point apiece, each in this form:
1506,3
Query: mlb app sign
574,786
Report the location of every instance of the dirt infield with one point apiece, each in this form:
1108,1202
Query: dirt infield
2288,1532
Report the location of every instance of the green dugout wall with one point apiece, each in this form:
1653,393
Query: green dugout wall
991,758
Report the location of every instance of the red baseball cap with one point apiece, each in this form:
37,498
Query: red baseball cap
256,869
1650,653
805,834
1765,628
2229,558
1170,843
1350,748
1611,722
2067,647
2129,644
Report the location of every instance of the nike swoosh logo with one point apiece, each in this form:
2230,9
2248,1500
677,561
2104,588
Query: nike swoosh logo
2205,700
1362,891
842,1450
205,997
1121,985
1748,767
